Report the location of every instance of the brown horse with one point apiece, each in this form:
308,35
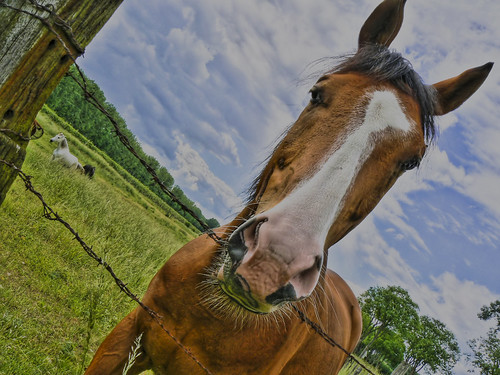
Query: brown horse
368,122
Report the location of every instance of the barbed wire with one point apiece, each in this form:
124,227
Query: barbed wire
90,97
20,136
35,134
52,215
328,338
96,103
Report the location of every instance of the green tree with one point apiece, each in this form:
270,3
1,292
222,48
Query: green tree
387,351
486,353
395,336
212,223
388,313
491,311
431,345
486,350
386,308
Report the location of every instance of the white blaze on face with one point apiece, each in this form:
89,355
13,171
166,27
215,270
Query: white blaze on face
315,203
384,111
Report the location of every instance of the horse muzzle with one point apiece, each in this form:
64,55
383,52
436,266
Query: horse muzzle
270,263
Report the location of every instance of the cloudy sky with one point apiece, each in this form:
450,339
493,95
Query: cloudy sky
208,86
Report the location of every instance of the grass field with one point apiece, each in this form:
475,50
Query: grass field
56,304
354,369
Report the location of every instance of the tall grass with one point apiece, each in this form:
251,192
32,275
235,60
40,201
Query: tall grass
352,368
56,304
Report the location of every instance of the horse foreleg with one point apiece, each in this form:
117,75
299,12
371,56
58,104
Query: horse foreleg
113,354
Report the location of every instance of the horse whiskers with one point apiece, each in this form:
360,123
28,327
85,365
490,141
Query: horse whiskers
324,304
213,298
315,303
219,303
303,307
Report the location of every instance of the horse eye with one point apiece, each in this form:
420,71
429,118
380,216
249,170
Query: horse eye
281,163
315,96
410,164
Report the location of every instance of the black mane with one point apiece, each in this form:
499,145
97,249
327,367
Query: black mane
383,64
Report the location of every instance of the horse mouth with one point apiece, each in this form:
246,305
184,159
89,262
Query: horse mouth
238,291
244,301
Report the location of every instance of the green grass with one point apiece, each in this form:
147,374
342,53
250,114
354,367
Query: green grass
351,368
56,304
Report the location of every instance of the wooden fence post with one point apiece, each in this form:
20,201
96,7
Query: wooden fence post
33,59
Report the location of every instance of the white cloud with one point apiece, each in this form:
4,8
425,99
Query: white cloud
366,249
189,54
212,195
191,170
223,147
456,303
439,169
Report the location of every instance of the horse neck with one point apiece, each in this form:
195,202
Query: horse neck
63,145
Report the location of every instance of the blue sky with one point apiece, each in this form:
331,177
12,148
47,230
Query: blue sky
208,87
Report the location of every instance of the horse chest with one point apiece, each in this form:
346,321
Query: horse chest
225,347
59,152
64,156
275,349
299,352
232,352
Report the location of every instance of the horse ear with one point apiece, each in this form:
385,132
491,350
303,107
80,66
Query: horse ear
383,24
452,92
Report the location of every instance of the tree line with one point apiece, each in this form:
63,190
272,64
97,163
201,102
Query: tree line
399,341
486,350
68,101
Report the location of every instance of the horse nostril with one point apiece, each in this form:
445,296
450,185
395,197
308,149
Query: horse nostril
318,262
310,274
236,247
246,233
283,294
305,281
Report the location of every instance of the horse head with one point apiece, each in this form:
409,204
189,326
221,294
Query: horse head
368,121
59,138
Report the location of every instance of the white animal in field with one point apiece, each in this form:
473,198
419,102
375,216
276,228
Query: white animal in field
62,155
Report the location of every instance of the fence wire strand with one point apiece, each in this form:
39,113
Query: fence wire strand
50,214
90,97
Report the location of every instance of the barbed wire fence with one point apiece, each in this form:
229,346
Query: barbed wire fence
50,214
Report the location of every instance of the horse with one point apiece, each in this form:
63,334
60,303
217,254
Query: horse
89,170
62,155
233,303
